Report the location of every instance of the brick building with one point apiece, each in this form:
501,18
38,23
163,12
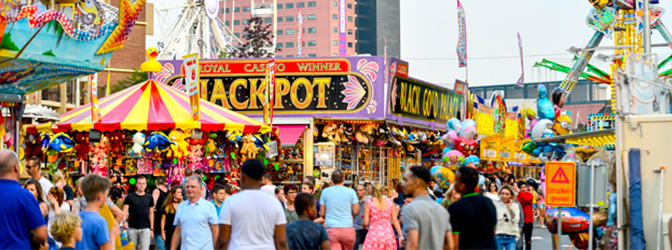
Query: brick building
320,25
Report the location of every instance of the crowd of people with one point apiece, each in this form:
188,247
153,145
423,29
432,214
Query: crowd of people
411,214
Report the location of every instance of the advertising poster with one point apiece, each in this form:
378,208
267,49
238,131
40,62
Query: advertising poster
192,78
95,109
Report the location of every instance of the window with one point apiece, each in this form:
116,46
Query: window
349,32
289,45
301,5
312,55
279,45
312,4
289,32
289,19
279,19
312,17
279,6
312,43
349,6
228,10
334,43
268,20
236,22
289,56
514,92
245,34
289,6
334,3
246,9
279,32
246,21
349,19
226,23
237,35
222,11
334,54
334,16
236,10
349,45
303,44
334,29
312,30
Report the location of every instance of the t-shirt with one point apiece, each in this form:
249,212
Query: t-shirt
19,215
252,215
269,189
305,234
94,231
338,200
217,208
430,219
138,210
474,218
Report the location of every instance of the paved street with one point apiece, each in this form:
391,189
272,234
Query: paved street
541,239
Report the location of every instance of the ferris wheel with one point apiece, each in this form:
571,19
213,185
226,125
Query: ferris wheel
197,29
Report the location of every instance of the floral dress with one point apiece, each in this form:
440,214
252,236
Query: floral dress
380,235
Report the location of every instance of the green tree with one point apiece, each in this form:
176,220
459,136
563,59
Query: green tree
136,77
258,39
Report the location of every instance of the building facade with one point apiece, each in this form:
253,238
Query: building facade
377,20
74,93
587,97
321,31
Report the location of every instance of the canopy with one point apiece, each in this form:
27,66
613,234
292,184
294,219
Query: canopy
155,106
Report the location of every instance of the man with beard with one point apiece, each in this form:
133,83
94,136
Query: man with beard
424,214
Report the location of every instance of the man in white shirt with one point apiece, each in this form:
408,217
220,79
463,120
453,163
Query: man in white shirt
251,219
33,168
268,186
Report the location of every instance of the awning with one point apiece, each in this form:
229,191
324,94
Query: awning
290,133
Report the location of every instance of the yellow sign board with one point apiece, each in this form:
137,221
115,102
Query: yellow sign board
507,149
489,147
485,123
560,184
511,128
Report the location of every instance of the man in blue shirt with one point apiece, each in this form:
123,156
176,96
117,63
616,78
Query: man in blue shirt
19,212
338,204
195,220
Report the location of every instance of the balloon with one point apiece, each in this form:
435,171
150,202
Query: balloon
562,125
468,123
454,124
542,129
544,105
449,138
573,220
466,146
472,159
443,176
481,180
469,132
453,159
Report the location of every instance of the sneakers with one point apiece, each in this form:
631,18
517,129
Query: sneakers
542,226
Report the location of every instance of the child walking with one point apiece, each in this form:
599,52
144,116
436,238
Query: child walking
304,233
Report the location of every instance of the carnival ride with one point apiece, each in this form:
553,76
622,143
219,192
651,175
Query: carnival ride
622,19
198,29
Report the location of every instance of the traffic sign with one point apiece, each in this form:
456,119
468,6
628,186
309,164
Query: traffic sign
560,184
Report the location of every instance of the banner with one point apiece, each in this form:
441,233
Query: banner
507,149
107,88
422,101
387,70
342,28
462,42
521,80
95,109
192,78
485,123
270,93
300,32
489,148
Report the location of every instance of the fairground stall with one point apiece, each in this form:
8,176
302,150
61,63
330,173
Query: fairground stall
41,48
333,112
148,129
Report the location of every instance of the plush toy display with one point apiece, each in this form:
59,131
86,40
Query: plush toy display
249,149
138,141
157,141
330,133
60,143
99,160
196,154
117,177
34,147
117,149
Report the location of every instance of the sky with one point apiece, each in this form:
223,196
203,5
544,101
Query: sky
429,34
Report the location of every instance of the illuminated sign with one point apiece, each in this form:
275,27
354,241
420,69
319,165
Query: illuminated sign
421,101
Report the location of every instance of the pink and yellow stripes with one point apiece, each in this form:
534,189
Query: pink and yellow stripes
155,106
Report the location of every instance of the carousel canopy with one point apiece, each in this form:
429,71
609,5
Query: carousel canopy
154,106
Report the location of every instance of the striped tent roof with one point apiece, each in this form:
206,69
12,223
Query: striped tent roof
155,106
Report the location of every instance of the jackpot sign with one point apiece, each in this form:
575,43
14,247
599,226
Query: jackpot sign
305,86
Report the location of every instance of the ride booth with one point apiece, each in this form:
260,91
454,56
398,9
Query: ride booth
332,113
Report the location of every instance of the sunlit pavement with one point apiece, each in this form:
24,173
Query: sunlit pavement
541,239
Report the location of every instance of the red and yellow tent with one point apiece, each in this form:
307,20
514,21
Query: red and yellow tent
153,106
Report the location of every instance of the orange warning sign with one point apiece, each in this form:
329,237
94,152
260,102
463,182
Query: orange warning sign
560,184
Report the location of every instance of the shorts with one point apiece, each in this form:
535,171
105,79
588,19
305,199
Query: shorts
534,206
542,206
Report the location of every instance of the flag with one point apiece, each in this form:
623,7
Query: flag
521,80
107,88
300,33
95,109
270,93
192,79
462,42
385,62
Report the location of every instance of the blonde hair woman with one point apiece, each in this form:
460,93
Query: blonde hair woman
508,216
378,213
